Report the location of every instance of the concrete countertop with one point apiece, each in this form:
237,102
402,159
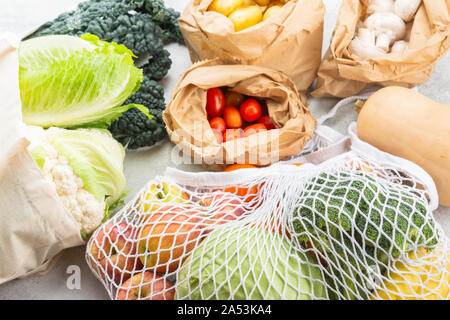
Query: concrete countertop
20,15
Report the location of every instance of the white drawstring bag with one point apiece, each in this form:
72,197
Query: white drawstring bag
35,227
351,222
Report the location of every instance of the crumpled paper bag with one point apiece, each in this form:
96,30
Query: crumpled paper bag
188,127
342,74
290,41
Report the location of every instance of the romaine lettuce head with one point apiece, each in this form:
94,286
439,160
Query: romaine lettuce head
96,157
68,81
247,263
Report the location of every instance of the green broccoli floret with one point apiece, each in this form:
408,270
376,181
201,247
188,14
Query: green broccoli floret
385,220
133,129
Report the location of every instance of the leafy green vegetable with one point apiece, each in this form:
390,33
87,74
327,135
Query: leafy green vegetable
134,129
248,263
140,25
143,26
350,217
39,154
95,157
68,81
158,65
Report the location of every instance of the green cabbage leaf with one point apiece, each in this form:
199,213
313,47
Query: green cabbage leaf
71,82
96,157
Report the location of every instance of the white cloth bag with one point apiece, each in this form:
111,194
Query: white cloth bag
34,225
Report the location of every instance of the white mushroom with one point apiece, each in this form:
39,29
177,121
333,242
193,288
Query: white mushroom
363,45
387,27
366,36
406,9
399,46
380,6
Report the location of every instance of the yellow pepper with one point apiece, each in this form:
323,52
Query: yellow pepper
429,281
244,18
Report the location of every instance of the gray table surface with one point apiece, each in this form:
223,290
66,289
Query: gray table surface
18,16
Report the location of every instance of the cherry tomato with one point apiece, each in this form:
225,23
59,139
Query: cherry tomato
233,99
250,110
265,120
254,128
215,102
217,123
232,134
232,117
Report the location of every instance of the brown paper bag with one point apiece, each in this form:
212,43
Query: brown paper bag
187,125
290,41
35,226
342,74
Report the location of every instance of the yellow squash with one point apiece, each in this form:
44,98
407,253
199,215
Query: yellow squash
429,280
407,124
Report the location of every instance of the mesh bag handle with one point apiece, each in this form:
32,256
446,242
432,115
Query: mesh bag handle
368,151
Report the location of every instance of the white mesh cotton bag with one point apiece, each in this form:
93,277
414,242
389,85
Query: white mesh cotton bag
351,222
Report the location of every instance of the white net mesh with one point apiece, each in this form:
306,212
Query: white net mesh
349,228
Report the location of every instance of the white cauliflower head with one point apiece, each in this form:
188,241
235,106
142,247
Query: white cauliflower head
85,198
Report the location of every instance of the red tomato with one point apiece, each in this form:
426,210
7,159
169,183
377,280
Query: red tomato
232,134
254,128
250,110
215,102
232,117
265,120
233,99
218,124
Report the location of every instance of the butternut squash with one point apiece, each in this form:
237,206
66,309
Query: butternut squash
407,124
